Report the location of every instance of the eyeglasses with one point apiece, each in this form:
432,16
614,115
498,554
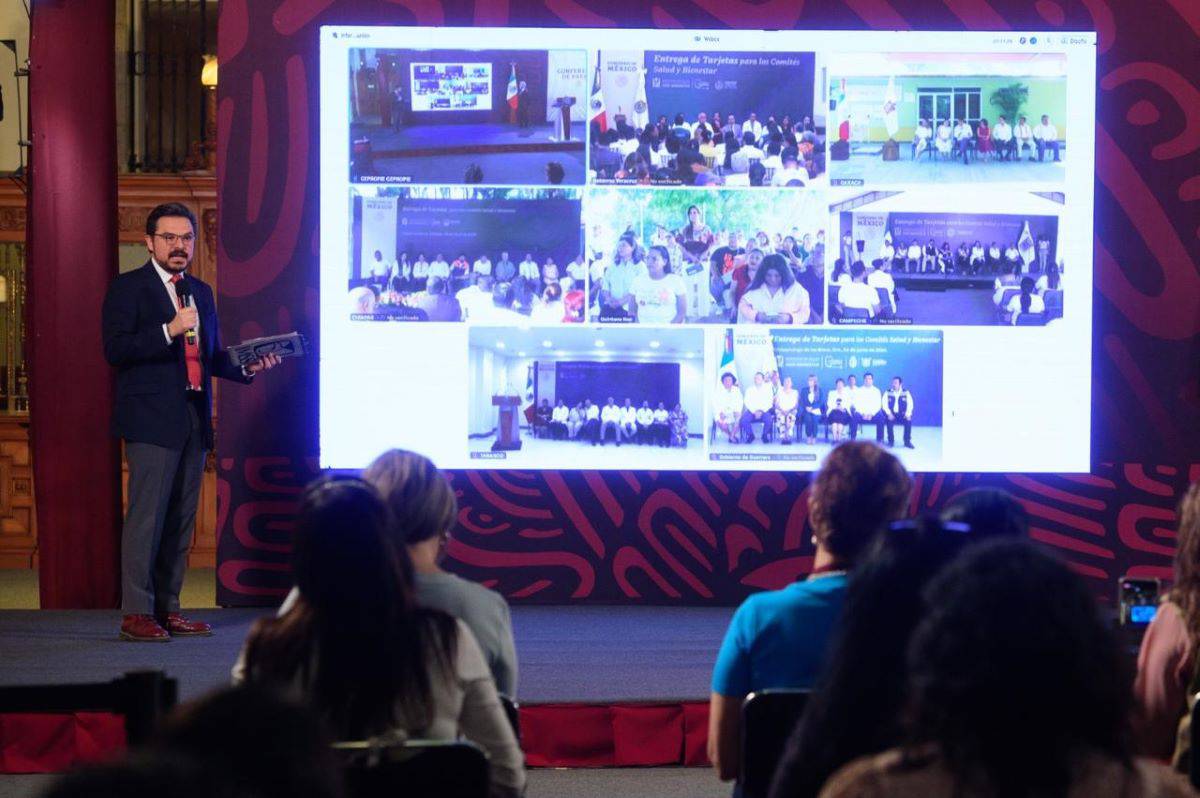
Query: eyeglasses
187,239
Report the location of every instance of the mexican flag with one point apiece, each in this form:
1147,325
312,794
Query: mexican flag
727,365
512,95
598,113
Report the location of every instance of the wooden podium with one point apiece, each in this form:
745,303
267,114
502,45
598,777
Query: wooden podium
508,433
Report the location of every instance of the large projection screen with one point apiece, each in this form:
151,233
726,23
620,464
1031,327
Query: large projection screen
694,250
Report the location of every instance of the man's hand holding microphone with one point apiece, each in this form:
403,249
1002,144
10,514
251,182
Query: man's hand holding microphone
185,321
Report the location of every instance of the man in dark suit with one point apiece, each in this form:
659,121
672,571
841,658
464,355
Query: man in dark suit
160,333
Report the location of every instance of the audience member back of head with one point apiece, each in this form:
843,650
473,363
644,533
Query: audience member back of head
269,745
424,510
1018,691
779,639
989,512
146,775
859,701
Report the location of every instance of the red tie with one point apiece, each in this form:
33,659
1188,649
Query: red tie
191,349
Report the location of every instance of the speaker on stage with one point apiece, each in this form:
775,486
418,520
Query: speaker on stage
562,120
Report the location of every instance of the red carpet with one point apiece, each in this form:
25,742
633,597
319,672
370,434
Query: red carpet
552,735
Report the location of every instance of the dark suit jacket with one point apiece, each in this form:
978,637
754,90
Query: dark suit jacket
151,402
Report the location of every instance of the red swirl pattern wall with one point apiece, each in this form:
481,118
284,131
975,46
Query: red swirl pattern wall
711,538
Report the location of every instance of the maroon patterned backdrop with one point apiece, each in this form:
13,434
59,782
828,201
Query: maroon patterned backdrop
713,537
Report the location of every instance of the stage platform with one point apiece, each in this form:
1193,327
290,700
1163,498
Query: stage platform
865,164
440,139
592,682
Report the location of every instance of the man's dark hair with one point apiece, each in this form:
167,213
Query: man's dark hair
1014,663
857,269
990,512
258,738
474,174
169,209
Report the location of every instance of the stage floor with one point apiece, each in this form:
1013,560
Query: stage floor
926,456
533,450
566,654
499,168
507,154
874,170
440,137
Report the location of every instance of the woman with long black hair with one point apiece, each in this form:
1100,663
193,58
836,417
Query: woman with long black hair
359,650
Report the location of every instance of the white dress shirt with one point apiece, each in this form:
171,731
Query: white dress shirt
881,279
1002,132
629,415
482,266
439,268
868,400
661,416
611,413
1046,132
1036,304
728,404
645,416
759,398
592,412
166,276
529,270
474,301
560,414
858,295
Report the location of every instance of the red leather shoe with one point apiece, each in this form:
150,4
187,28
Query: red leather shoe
179,626
143,629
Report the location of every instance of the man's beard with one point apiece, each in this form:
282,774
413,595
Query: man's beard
166,264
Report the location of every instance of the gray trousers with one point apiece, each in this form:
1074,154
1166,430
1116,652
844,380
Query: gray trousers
164,488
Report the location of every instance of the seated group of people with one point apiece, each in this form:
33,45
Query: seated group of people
970,258
916,640
750,278
720,151
791,415
958,138
627,423
482,291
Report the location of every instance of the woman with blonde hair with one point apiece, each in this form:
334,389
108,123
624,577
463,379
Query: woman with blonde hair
424,509
1167,660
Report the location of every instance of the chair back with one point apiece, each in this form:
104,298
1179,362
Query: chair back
885,301
141,697
1031,319
414,769
856,313
512,711
768,718
1053,297
1007,297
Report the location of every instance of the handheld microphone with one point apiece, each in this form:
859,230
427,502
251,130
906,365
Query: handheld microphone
184,292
